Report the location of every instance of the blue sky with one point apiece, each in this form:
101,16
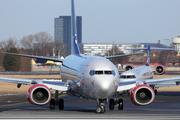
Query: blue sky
122,21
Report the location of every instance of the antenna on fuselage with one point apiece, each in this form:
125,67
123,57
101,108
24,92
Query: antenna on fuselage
74,39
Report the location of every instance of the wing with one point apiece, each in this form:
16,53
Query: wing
163,82
152,49
32,56
126,85
52,85
122,55
159,82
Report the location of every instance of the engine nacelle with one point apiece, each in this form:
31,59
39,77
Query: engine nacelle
39,95
160,69
129,67
142,95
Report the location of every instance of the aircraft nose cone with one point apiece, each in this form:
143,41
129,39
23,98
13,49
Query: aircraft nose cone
104,88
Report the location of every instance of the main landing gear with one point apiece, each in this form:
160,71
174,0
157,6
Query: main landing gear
56,102
116,102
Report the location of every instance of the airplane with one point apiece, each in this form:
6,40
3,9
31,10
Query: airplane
145,71
86,76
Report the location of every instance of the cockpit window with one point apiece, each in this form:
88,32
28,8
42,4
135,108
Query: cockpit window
113,72
92,72
127,76
108,72
123,76
98,72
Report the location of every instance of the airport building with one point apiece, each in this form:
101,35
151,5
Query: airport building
103,48
62,30
176,43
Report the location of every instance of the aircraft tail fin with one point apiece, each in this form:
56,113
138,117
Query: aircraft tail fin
74,39
148,56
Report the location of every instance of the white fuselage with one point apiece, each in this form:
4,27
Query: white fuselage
140,73
90,76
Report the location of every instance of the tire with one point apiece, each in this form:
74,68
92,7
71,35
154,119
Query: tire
120,104
111,104
52,104
103,109
99,109
61,104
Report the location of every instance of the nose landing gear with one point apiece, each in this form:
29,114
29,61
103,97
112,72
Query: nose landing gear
100,108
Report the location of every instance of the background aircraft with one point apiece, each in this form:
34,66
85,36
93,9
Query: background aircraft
159,69
143,72
92,77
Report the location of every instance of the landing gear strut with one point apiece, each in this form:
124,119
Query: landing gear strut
56,102
100,108
155,89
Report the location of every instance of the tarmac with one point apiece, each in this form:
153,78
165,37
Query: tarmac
16,106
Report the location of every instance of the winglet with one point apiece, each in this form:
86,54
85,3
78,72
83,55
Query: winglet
148,57
74,39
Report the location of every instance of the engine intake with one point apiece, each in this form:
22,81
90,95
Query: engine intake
129,67
142,95
39,95
160,69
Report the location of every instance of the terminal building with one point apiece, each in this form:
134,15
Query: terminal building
102,48
176,43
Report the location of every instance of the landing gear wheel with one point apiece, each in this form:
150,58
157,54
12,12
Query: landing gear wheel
103,109
52,104
155,91
61,104
98,109
111,104
120,104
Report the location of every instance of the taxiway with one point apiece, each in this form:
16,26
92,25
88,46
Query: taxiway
166,106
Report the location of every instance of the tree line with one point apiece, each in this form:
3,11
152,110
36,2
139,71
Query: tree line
39,44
